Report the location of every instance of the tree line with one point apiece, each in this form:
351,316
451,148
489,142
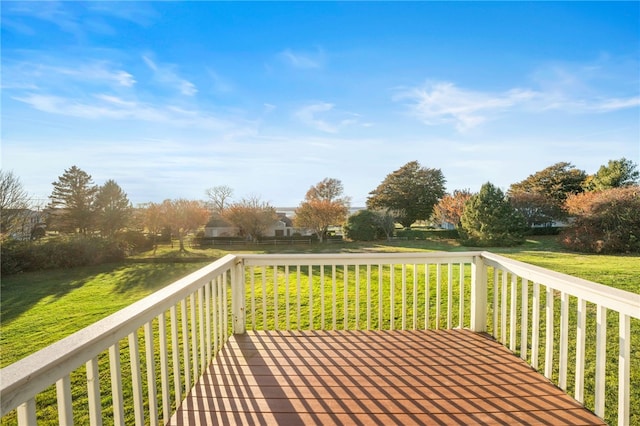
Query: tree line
601,208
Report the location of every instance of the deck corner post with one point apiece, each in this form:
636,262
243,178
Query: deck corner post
478,294
237,297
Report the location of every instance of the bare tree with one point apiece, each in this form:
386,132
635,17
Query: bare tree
219,197
251,215
13,203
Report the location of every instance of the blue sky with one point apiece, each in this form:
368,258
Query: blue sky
169,99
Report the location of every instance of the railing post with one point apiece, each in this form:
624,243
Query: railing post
237,297
478,295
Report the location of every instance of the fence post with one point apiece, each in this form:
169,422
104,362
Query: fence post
478,295
237,297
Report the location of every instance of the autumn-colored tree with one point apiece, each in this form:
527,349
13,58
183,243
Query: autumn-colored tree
606,221
410,192
323,206
184,216
152,219
112,207
251,215
450,207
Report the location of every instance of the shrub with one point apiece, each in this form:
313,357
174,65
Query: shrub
23,256
135,241
605,221
363,226
489,220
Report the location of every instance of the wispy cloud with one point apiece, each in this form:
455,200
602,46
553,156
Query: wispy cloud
30,74
166,74
325,117
77,18
444,102
105,106
303,60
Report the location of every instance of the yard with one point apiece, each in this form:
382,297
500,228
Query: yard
59,303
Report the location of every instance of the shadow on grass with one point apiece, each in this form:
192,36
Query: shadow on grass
148,278
22,291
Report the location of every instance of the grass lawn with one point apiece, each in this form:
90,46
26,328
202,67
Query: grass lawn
40,308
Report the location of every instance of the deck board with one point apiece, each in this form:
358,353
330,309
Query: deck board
433,377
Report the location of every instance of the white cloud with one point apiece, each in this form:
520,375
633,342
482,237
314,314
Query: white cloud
303,60
325,117
308,115
444,102
165,74
105,106
29,74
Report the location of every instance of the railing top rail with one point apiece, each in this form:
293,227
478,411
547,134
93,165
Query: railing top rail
356,258
612,298
35,372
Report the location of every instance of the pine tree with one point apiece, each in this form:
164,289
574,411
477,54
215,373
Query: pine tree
113,208
489,219
72,202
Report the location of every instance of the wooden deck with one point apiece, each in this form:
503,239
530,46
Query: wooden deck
444,377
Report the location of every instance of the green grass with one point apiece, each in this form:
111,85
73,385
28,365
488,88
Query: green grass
40,308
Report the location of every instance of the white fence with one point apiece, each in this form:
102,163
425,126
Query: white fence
562,325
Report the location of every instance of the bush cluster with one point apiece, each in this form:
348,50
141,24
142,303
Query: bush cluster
425,234
604,221
23,256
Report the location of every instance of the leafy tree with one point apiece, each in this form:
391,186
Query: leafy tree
251,215
322,207
535,207
450,207
113,208
219,196
72,202
411,192
14,202
606,221
489,219
616,174
556,182
184,216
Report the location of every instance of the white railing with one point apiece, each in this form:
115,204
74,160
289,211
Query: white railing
511,300
181,327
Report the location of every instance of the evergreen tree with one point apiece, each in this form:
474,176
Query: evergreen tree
72,205
113,208
616,174
489,219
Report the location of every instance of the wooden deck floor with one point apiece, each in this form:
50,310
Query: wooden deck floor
446,377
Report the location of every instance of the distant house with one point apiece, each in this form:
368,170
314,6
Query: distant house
282,227
28,223
218,227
